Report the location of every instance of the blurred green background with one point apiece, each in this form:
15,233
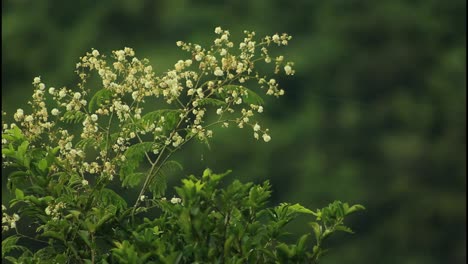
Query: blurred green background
374,115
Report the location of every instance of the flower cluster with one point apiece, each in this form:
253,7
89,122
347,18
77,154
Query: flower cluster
55,210
8,221
207,89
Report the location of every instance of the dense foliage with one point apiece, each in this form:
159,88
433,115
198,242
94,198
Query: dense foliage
67,179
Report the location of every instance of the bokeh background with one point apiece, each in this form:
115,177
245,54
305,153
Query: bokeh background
374,115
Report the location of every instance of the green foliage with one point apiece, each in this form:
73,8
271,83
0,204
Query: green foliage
207,224
63,178
231,225
100,97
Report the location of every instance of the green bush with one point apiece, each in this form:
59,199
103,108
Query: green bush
79,149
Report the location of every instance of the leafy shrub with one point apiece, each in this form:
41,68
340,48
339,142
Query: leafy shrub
64,174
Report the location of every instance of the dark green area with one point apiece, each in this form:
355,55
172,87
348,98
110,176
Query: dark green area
374,115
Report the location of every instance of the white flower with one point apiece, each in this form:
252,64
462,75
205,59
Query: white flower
218,72
51,90
55,111
266,137
288,70
179,43
84,182
37,80
219,111
95,53
142,198
256,127
218,30
176,200
276,38
19,114
62,93
94,117
77,96
41,86
29,118
260,109
16,217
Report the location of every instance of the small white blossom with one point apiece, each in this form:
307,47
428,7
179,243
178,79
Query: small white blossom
288,70
84,182
256,127
94,117
54,111
37,80
176,200
218,30
218,72
95,53
266,137
77,96
29,118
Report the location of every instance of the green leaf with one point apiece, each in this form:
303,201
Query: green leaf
42,165
8,244
355,208
19,194
74,117
158,183
98,98
109,197
317,230
53,234
22,149
171,118
301,243
134,154
211,101
133,179
344,229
